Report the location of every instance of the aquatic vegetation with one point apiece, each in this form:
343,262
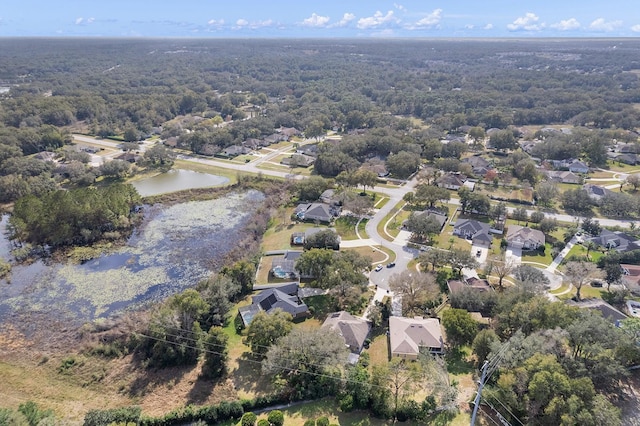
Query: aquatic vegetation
173,249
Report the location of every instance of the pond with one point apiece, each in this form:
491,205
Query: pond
175,248
177,180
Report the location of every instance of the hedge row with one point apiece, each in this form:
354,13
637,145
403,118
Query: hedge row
210,414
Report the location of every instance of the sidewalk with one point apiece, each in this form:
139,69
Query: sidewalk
560,257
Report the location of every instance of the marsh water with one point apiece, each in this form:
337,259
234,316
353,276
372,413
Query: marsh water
174,248
176,180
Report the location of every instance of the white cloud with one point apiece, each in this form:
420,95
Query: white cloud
601,25
636,28
378,19
399,7
241,23
469,27
316,21
429,21
83,21
528,22
90,20
215,22
346,18
567,25
79,21
488,27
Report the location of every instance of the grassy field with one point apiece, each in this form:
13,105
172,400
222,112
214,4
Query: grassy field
586,292
579,250
376,256
537,257
382,223
346,227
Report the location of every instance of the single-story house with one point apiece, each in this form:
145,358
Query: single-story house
524,237
607,311
284,267
327,196
618,241
578,167
353,330
564,177
284,298
298,160
235,150
626,158
320,212
596,193
439,217
289,132
452,181
479,165
129,157
252,143
478,232
409,336
45,156
310,150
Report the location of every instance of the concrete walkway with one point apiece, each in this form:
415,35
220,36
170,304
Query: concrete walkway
560,257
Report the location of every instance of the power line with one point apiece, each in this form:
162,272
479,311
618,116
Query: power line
506,408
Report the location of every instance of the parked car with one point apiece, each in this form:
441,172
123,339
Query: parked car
479,253
391,265
378,268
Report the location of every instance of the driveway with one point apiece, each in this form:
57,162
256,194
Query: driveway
514,254
484,253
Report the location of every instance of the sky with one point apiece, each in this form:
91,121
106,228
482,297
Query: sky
319,19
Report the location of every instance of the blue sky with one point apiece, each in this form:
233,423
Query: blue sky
326,18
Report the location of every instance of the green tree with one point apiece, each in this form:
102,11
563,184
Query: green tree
419,291
366,178
115,168
275,418
459,326
503,140
216,353
579,273
315,262
482,344
310,189
548,225
520,214
265,329
435,258
429,194
315,129
459,259
243,274
403,164
422,225
325,239
249,419
546,192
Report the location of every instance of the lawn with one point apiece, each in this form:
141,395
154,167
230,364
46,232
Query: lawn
320,305
579,250
380,202
362,228
346,227
386,219
379,349
278,237
447,241
537,257
376,256
586,292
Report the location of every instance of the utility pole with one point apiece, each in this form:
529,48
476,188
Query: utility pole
476,401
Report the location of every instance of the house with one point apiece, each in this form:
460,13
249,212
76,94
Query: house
564,177
252,143
274,138
439,217
473,283
618,241
310,150
479,165
284,267
289,132
320,212
596,193
524,237
284,298
452,181
235,150
129,157
409,336
608,312
478,232
631,159
353,330
578,167
298,160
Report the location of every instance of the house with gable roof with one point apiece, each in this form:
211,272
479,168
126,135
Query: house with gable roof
524,237
409,336
478,232
284,298
353,330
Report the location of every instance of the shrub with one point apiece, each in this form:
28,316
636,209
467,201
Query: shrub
276,418
263,422
249,419
322,421
310,422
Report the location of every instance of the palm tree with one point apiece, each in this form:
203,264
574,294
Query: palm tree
590,245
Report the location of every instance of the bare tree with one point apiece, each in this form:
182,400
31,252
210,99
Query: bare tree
418,290
579,273
501,266
633,180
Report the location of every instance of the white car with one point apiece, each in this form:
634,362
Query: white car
378,268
